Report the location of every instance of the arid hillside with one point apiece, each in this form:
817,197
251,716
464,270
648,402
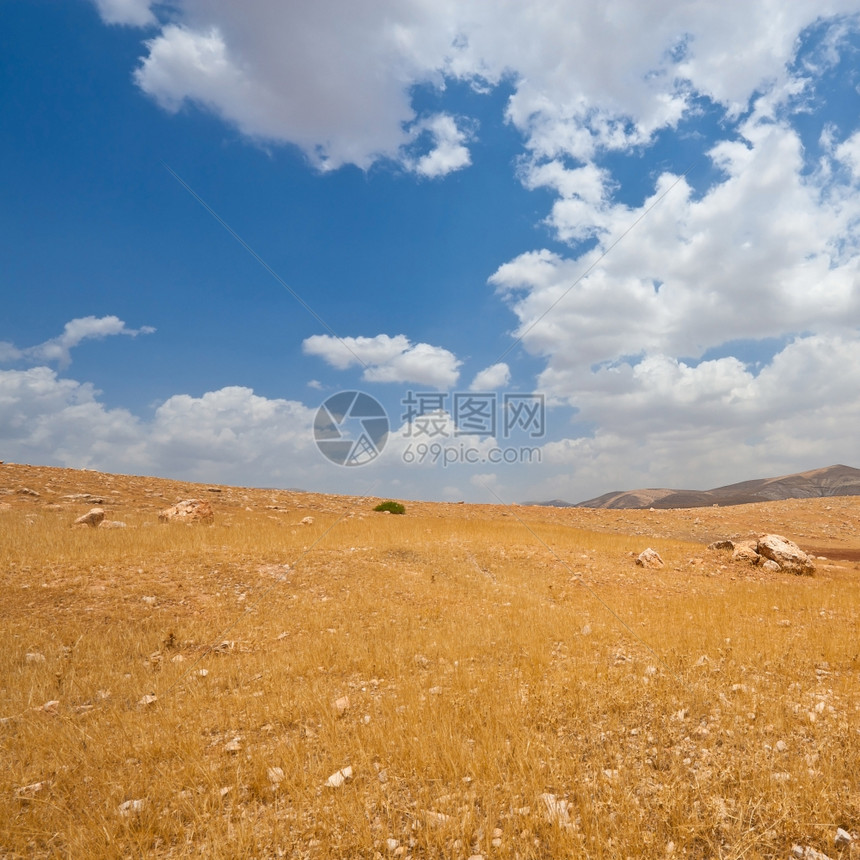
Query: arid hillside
305,678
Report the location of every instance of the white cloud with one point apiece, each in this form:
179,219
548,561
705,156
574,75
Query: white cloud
134,13
694,273
449,153
492,377
388,359
231,434
59,348
674,425
848,152
335,77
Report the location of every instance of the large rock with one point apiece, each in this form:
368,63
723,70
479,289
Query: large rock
91,518
721,544
789,556
188,511
746,551
650,558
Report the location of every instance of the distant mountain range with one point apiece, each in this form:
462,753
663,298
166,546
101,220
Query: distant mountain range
831,481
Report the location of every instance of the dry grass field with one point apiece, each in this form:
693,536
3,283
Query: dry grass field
487,680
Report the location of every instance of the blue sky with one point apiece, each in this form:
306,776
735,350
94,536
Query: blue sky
650,221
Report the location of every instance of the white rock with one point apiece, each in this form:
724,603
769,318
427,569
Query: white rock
556,810
91,518
650,558
27,791
336,780
35,657
148,699
805,852
843,838
392,844
789,556
307,521
437,818
341,705
745,551
51,707
233,746
276,775
131,807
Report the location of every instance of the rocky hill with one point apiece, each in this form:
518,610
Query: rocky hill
817,483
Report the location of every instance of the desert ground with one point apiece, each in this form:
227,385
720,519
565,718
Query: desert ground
461,681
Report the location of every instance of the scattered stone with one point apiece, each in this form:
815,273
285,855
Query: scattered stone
276,775
436,818
112,524
51,707
806,852
341,705
26,491
392,844
771,565
188,511
435,691
307,521
233,746
650,558
89,498
26,792
843,838
556,810
745,551
722,544
337,779
213,489
34,657
202,673
131,807
91,518
789,556
148,699
149,600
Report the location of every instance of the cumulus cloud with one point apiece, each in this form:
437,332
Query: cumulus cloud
58,349
696,272
133,13
671,424
336,78
388,359
231,433
490,378
449,152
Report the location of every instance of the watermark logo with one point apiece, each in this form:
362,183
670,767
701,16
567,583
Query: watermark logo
351,428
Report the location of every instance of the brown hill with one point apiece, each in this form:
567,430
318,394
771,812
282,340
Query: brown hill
817,483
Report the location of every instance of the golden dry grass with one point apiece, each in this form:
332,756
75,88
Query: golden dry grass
492,657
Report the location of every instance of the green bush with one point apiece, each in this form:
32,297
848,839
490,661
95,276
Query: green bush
391,507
